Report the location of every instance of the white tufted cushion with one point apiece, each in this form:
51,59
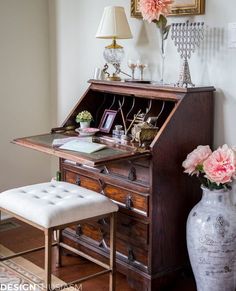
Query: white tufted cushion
55,203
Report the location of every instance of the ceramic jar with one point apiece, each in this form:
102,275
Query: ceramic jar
211,241
84,124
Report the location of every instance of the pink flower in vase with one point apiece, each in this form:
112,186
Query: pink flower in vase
215,170
195,159
156,11
220,167
152,9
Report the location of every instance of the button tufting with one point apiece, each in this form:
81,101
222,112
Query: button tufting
60,200
69,196
45,197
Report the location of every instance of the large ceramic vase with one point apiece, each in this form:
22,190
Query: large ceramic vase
211,241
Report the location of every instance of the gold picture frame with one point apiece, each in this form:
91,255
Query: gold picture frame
179,7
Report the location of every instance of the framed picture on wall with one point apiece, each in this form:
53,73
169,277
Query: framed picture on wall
179,7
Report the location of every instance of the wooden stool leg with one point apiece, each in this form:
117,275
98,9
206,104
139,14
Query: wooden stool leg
1,221
59,250
48,259
112,277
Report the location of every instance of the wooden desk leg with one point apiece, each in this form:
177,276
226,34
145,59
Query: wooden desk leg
112,277
48,258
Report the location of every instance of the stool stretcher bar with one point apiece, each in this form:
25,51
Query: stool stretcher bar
85,278
77,252
25,252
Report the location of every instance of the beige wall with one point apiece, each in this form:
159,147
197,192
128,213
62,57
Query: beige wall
79,52
24,89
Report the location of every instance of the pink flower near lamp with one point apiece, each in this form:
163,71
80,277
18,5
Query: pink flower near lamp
152,9
156,11
211,224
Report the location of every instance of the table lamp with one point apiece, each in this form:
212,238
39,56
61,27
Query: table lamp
114,25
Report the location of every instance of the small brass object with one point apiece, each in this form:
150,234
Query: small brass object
143,133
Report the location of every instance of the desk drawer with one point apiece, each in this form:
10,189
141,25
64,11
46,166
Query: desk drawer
131,254
129,229
128,199
89,231
82,180
129,240
131,201
130,170
132,230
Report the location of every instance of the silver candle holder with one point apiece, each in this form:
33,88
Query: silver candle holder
187,37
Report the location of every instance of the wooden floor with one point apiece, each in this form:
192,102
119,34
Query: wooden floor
24,236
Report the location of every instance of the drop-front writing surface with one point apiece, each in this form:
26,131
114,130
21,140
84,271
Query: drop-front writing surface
148,185
44,143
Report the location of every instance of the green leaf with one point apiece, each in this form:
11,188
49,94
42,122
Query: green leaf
163,20
200,168
161,23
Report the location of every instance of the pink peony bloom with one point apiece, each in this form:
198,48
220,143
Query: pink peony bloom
220,167
152,9
234,150
195,159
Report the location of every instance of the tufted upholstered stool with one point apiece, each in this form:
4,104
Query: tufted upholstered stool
52,207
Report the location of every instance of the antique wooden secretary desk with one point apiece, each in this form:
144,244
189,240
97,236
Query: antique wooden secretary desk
148,184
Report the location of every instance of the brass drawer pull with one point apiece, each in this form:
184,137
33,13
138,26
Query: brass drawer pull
131,257
78,181
128,202
132,174
102,183
78,230
102,221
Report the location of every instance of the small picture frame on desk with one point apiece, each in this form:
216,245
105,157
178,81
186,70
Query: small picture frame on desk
107,120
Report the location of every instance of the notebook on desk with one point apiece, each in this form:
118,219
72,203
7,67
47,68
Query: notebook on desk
57,142
82,146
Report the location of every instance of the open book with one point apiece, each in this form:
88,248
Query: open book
82,146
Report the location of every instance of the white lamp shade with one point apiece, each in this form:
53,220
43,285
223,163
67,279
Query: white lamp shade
114,24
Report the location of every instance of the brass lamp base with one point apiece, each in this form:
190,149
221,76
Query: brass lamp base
113,54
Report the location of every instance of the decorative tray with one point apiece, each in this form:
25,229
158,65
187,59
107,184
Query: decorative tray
87,131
